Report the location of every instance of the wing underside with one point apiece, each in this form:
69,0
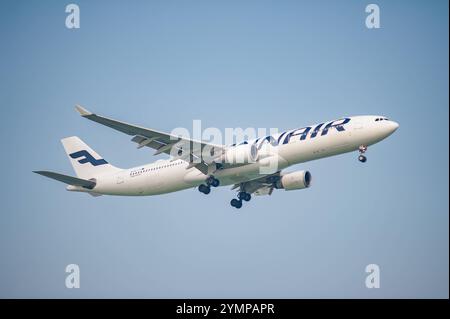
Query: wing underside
261,186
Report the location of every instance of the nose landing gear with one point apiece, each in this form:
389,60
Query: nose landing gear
362,149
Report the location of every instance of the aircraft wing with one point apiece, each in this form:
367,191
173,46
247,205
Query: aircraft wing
260,186
159,141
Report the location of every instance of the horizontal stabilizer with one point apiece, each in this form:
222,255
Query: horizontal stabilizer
68,179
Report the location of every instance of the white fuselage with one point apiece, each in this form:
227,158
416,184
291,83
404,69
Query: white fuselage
293,147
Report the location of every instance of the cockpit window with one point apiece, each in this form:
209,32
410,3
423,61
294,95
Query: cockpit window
381,119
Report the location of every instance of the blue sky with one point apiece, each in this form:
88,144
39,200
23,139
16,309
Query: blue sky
284,64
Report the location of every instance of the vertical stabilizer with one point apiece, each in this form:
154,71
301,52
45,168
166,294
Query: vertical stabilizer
85,161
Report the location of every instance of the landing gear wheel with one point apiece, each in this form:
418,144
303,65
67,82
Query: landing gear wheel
215,182
362,158
212,181
236,203
244,196
204,189
362,149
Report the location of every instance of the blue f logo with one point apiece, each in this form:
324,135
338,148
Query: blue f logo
87,158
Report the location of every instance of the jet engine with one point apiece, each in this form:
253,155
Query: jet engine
294,180
241,154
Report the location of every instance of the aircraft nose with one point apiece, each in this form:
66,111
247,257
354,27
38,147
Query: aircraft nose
394,126
389,127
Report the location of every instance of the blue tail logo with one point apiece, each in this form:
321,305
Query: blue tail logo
87,158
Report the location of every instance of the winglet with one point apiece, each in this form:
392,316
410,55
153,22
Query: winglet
82,110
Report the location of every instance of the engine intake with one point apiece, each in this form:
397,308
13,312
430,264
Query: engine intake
294,180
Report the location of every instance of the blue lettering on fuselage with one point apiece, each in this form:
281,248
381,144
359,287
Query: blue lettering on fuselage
316,130
339,126
289,136
303,132
268,139
280,137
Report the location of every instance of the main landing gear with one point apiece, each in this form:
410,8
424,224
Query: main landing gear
236,203
242,196
204,189
362,149
210,181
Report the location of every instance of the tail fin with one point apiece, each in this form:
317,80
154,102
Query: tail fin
85,161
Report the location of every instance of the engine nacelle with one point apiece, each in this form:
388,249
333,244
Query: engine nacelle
294,180
241,154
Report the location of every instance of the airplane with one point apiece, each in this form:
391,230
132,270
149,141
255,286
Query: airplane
255,167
